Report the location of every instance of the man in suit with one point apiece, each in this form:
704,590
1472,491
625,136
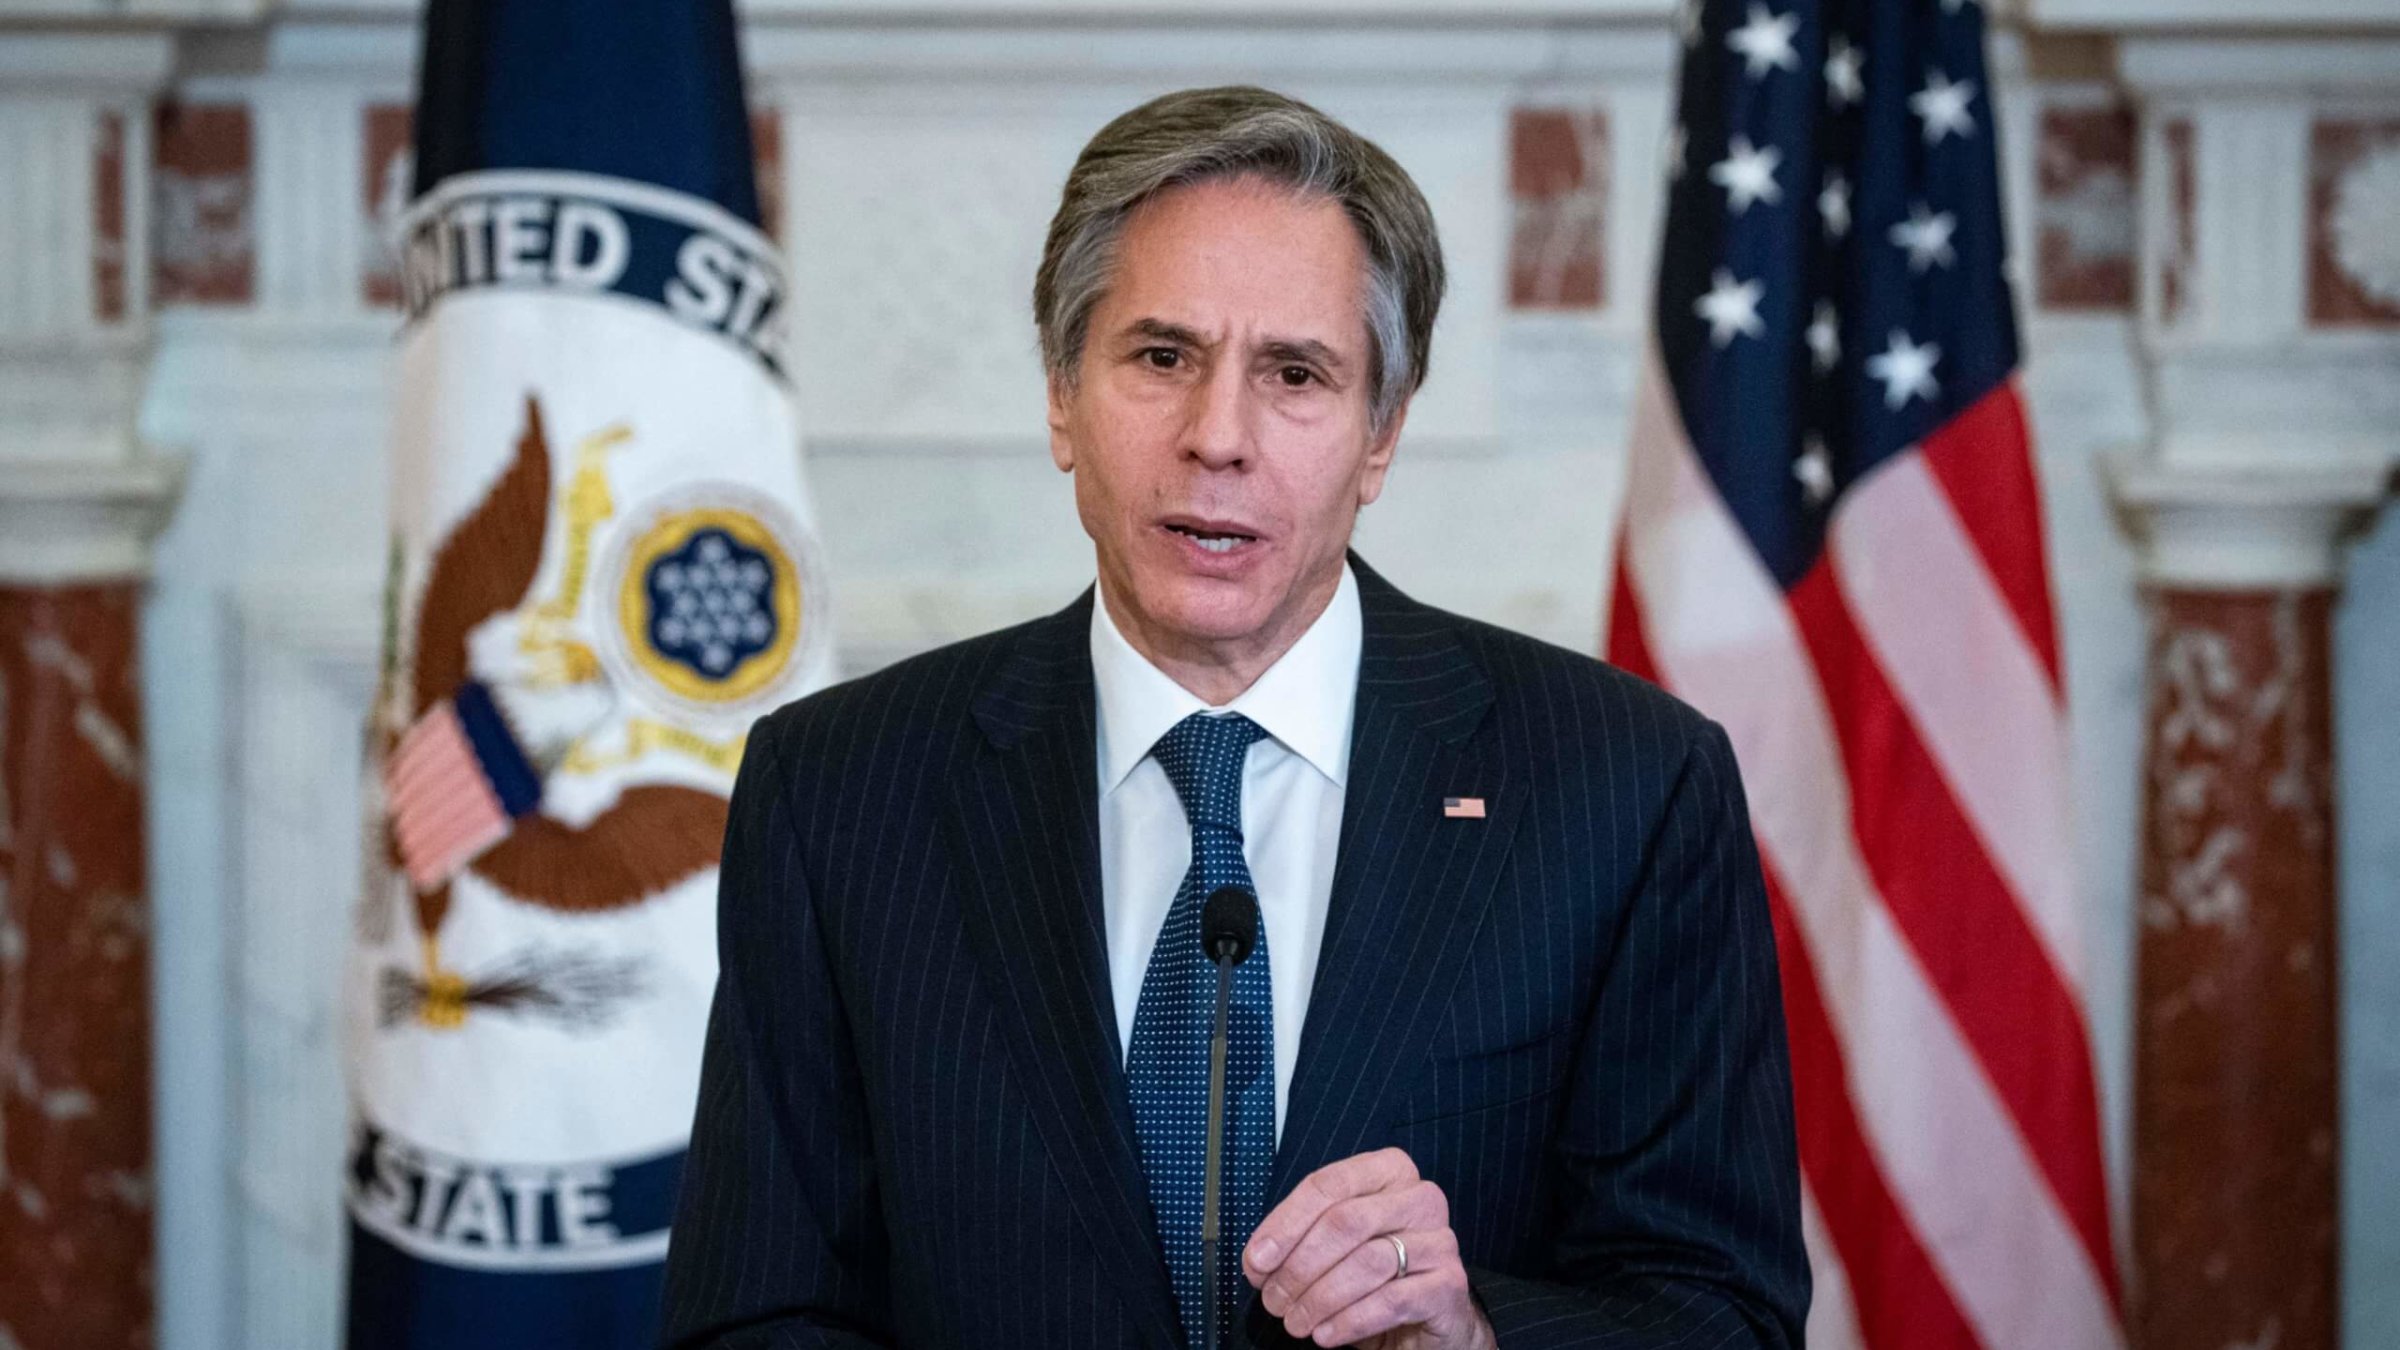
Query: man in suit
1507,1062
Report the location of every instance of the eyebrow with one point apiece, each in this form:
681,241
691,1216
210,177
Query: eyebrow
1280,349
1304,349
1164,332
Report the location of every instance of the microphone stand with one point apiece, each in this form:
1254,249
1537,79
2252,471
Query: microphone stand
1216,1148
1228,930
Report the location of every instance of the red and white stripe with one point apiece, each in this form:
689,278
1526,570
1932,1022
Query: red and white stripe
1897,718
443,809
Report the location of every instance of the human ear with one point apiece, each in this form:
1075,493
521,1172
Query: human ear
1379,458
1062,442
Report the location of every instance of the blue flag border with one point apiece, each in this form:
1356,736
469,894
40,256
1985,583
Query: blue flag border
669,219
656,1173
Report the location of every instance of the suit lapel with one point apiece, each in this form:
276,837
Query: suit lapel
1025,819
1410,885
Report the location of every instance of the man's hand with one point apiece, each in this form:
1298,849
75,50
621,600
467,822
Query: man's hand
1325,1263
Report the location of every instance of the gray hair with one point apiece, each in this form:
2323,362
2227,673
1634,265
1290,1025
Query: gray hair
1200,135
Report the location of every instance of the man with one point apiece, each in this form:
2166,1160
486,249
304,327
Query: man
1507,1063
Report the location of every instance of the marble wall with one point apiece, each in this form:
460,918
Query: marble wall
75,1151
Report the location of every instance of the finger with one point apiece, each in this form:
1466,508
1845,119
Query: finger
1436,1299
1281,1231
1346,1226
1340,1234
1371,1265
1340,1230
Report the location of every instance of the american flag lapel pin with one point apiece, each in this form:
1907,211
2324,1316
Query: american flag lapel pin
1463,808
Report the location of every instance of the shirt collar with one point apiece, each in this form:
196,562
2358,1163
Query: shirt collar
1305,700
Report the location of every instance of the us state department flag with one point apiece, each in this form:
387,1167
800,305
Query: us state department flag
602,570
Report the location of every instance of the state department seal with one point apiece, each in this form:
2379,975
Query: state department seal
711,594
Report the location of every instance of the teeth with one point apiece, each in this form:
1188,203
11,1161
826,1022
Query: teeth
1214,543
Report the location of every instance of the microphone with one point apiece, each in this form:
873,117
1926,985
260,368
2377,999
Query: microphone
1228,930
1229,925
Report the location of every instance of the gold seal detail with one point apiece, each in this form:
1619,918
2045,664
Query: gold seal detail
709,604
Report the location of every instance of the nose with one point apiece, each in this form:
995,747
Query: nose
1217,424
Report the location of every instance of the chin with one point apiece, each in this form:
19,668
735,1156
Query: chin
1205,609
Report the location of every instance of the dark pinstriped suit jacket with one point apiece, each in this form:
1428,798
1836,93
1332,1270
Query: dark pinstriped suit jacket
913,1126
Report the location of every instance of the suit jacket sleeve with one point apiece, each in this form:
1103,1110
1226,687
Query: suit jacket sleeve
776,1246
1681,1209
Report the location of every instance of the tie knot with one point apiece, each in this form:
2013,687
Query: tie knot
1203,756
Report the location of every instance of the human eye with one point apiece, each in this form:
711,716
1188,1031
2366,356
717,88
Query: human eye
1293,376
1160,358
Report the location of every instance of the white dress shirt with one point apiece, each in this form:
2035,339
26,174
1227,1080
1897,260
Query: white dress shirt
1292,785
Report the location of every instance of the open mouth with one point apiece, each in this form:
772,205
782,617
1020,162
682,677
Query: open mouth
1215,541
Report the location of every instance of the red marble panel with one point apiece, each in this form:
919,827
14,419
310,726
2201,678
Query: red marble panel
2084,211
2236,1077
108,218
766,149
387,173
2353,205
1558,198
2179,253
203,251
75,1178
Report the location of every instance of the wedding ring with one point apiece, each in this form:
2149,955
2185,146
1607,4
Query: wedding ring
1399,1249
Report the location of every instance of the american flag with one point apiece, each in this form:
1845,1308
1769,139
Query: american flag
454,784
1833,545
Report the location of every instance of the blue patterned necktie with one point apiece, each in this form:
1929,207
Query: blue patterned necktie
1167,1065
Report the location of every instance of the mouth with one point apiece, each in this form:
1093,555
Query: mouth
1211,536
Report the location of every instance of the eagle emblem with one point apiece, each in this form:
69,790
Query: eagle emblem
698,615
